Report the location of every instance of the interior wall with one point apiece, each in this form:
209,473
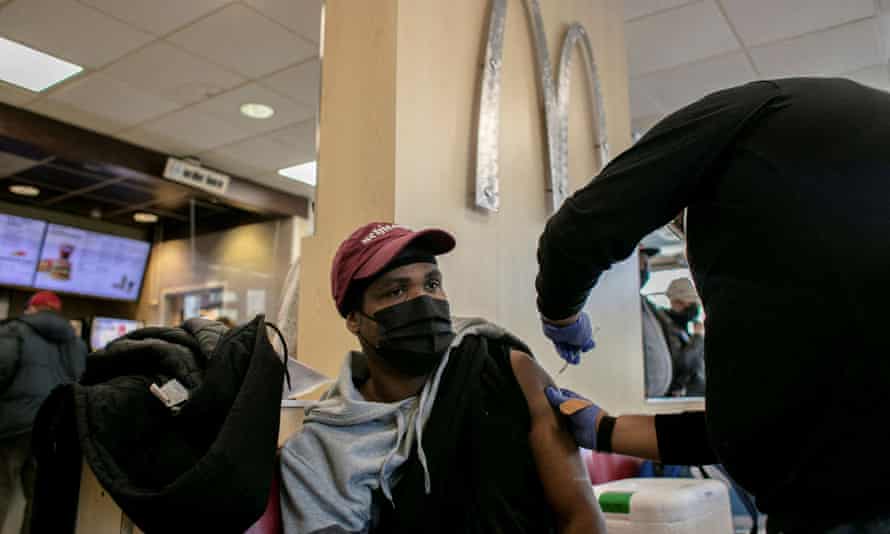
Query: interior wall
491,273
244,260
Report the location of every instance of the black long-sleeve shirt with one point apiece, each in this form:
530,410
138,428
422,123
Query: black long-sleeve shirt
787,189
683,439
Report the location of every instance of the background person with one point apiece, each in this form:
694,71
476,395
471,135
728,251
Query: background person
38,352
685,334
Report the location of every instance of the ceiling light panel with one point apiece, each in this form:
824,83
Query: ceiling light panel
305,172
32,69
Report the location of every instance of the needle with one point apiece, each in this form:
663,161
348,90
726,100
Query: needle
566,365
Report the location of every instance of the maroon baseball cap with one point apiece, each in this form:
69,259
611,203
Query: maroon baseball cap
45,299
372,247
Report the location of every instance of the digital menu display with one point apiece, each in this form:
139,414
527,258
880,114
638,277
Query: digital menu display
20,240
100,265
104,330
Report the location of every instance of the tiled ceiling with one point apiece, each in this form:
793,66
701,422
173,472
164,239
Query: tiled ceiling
171,75
681,50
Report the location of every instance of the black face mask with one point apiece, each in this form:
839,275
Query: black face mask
685,315
413,335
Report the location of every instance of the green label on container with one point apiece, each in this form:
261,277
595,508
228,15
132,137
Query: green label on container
616,502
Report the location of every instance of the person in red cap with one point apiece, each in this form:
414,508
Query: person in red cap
38,352
436,425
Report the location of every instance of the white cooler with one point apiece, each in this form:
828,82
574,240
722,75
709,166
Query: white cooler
665,506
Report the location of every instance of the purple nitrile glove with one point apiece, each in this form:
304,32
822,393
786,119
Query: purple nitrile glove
571,340
582,419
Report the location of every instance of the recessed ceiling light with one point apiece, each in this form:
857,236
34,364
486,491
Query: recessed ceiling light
32,69
145,218
257,111
304,172
24,190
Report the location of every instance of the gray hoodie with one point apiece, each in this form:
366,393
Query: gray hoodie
350,447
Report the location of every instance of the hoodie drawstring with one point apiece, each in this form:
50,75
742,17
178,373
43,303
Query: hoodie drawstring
381,477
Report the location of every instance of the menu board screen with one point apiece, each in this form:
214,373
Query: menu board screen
106,329
20,240
100,265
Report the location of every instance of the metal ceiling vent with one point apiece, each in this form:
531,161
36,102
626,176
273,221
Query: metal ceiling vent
192,174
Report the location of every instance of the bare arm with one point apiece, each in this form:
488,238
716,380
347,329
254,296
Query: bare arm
634,435
562,472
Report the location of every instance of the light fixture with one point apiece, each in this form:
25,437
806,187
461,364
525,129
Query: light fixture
145,218
304,172
257,111
32,69
24,190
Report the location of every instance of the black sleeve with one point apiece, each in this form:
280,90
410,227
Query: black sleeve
642,189
683,439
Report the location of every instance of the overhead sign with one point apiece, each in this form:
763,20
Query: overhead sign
196,176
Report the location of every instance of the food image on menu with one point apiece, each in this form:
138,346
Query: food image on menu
60,269
20,240
78,261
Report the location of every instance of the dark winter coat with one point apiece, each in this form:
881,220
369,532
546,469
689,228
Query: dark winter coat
206,467
37,353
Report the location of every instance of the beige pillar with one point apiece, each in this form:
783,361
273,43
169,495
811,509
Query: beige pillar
400,82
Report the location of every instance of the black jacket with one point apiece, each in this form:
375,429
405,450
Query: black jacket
37,353
207,468
787,190
484,479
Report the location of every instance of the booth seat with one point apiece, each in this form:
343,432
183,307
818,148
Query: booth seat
606,467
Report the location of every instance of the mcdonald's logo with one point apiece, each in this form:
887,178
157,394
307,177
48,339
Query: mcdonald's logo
556,104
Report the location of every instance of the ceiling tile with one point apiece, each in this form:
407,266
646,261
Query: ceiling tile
227,107
302,16
639,8
168,72
300,138
15,96
72,115
843,49
301,83
285,185
156,16
111,100
678,36
764,21
257,155
642,104
188,130
70,30
685,84
877,76
241,39
153,141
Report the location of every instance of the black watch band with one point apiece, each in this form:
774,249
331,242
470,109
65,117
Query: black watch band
604,433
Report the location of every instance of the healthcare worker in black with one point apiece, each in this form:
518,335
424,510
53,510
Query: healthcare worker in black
786,187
